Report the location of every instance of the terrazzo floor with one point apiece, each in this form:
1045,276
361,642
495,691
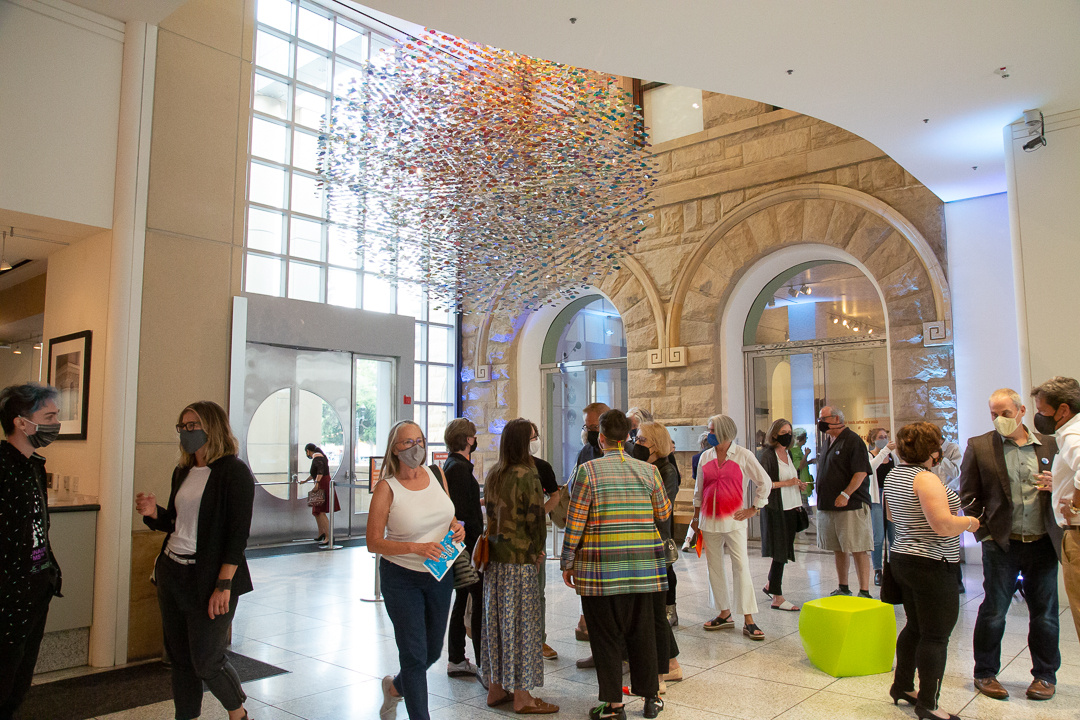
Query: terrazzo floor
307,617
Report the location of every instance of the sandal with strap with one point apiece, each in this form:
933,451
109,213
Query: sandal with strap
538,707
753,632
719,622
785,606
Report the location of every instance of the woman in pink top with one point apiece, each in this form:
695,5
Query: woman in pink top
410,514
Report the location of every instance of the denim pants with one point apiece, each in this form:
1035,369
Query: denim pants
877,517
419,606
1039,566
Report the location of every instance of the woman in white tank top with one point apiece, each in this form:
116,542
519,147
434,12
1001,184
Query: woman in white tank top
410,514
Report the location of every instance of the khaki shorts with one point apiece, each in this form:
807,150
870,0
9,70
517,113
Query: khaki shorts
849,531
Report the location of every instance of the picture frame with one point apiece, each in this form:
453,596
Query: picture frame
69,372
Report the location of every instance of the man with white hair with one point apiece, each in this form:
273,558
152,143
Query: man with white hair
1002,484
844,523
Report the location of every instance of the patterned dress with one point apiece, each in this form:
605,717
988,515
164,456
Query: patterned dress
510,652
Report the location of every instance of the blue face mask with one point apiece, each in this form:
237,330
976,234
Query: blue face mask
713,442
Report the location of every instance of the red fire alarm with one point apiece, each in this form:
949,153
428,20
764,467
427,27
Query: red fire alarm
407,400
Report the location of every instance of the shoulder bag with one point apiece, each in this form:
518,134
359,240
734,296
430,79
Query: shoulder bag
890,589
464,573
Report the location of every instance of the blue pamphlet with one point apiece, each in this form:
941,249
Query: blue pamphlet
450,552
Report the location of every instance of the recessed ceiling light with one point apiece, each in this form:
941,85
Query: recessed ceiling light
835,320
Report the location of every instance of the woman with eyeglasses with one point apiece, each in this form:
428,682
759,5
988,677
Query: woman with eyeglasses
881,450
923,559
410,514
201,571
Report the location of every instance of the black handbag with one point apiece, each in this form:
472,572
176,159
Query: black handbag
802,519
890,589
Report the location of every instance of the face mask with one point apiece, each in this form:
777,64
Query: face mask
593,438
784,439
192,440
473,445
713,442
1044,424
413,456
823,426
881,442
43,434
640,452
1006,426
534,447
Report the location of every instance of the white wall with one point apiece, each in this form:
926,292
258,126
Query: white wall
1044,186
60,87
985,344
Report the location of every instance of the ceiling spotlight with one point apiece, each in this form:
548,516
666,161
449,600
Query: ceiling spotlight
792,293
835,320
17,350
1034,143
37,346
806,289
855,328
870,331
845,322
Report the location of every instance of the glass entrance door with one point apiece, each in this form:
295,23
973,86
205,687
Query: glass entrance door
339,401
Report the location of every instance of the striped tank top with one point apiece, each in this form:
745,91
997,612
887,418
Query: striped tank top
914,536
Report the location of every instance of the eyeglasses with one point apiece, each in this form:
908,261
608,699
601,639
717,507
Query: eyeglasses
590,428
406,444
196,425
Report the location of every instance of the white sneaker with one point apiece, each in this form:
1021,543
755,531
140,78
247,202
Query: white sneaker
461,669
388,711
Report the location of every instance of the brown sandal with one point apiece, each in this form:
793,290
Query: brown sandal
507,697
539,707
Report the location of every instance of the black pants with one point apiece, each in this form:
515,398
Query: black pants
455,646
195,643
672,581
932,605
627,626
18,656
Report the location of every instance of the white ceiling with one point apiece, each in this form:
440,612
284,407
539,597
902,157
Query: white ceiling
873,67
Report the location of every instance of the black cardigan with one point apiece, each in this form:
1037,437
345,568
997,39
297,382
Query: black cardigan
224,523
775,542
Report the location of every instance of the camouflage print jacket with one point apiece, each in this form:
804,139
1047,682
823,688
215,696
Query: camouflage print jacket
515,514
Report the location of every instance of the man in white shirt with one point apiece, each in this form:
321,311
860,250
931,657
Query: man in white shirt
1058,404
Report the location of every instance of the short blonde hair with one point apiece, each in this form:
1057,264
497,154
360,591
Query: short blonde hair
391,464
220,440
724,428
658,437
1009,393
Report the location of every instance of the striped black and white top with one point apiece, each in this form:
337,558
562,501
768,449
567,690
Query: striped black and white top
914,536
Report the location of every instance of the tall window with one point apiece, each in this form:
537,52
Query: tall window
306,54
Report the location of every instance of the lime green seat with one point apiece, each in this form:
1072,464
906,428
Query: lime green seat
846,636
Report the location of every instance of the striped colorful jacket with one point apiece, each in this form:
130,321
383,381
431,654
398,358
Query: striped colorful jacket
611,542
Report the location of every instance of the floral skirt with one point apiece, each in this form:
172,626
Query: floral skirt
511,648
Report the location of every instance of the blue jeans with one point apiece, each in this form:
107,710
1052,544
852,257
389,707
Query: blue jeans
877,517
419,606
1038,564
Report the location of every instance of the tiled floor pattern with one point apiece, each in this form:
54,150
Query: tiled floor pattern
306,616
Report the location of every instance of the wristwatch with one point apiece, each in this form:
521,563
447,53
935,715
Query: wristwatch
846,496
223,584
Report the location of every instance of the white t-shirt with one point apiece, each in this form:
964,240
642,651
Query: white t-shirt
789,494
188,501
419,516
1066,467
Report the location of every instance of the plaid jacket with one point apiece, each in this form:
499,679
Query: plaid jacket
611,542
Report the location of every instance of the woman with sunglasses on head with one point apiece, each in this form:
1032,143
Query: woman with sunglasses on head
923,558
410,514
201,571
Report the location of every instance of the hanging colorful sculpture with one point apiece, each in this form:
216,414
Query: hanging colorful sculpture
473,170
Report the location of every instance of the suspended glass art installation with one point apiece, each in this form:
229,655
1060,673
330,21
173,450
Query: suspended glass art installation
476,171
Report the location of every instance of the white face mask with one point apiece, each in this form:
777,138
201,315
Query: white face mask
534,447
1006,426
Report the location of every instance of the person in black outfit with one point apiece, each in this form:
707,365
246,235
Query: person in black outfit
320,475
553,492
29,574
201,571
779,522
460,439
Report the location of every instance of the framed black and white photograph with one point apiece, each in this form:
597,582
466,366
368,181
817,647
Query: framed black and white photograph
69,372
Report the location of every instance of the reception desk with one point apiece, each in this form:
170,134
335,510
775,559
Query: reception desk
73,535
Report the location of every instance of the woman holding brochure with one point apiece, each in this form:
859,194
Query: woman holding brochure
410,514
511,650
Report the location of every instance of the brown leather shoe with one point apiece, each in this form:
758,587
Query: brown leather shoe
586,662
1040,690
990,687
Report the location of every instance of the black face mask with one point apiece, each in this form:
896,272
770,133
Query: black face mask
44,434
640,452
823,426
1044,424
473,445
633,434
784,439
593,437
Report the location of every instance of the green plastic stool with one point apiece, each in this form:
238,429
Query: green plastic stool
847,636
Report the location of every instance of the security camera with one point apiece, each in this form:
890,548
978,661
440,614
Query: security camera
1034,143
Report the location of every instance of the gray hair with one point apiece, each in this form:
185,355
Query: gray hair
724,428
836,411
1058,390
640,413
23,400
703,440
800,433
1009,393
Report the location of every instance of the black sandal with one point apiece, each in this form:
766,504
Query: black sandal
753,632
719,623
